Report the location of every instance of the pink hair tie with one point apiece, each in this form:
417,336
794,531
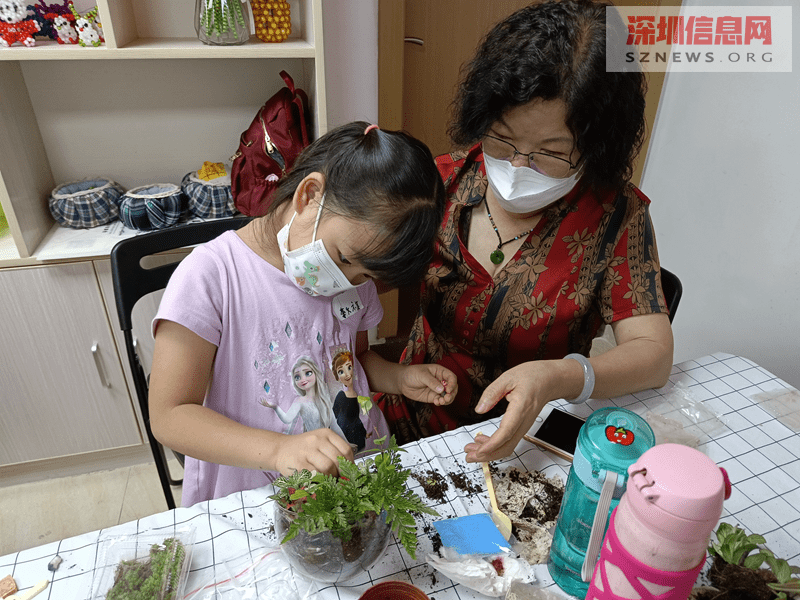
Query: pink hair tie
370,128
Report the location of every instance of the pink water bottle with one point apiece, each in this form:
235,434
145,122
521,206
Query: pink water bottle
656,542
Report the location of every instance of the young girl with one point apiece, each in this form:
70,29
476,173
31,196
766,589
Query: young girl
360,203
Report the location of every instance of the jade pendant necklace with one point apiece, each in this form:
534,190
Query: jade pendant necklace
497,255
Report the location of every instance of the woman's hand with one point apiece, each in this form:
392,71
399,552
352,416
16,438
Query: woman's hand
432,384
526,388
317,450
642,359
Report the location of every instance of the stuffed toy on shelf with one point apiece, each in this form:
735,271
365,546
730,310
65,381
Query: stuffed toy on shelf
56,21
15,25
87,26
65,32
45,15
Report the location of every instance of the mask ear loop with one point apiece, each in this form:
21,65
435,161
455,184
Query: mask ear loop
319,214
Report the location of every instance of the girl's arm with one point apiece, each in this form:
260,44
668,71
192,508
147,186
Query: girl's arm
641,360
182,370
433,384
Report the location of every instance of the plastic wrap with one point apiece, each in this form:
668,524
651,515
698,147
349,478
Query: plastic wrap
682,418
155,562
261,575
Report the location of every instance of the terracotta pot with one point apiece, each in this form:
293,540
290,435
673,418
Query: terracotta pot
394,590
325,558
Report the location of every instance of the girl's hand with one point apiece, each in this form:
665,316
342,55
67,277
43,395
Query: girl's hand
316,450
432,384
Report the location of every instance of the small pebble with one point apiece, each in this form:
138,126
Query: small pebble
53,565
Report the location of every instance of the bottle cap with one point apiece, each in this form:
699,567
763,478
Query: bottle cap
610,440
675,487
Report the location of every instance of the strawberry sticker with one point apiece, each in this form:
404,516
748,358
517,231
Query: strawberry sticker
619,435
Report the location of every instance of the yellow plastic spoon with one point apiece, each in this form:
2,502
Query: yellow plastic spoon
27,594
498,516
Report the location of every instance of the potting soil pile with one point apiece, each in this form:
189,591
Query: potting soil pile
532,501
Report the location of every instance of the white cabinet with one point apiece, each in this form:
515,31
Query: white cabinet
149,106
62,387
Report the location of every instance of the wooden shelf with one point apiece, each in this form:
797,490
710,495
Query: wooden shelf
154,48
8,249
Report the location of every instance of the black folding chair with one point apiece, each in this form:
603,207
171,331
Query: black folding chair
132,281
673,290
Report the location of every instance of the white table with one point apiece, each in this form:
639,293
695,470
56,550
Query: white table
755,437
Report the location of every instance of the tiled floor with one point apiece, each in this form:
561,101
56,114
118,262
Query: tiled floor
36,513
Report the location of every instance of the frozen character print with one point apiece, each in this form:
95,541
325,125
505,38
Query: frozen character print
346,406
312,407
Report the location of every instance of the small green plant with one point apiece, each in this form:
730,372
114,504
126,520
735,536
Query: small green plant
154,578
335,504
735,547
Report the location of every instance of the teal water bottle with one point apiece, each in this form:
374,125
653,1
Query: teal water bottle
608,443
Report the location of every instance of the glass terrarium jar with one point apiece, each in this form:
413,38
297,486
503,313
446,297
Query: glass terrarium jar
325,558
222,22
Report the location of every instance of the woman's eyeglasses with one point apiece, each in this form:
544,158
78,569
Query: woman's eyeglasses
552,166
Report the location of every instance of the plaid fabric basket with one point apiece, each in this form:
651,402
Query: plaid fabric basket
209,199
86,203
153,206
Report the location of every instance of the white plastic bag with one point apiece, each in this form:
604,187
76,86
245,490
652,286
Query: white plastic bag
490,575
261,575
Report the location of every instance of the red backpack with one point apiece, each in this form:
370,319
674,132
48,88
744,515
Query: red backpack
268,149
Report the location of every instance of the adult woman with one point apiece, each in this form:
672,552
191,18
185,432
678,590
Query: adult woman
543,239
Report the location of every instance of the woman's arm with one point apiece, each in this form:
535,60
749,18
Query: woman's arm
182,370
641,360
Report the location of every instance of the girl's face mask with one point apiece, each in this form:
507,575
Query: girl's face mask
310,267
523,190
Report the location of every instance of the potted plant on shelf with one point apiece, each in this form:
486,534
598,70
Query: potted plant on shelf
736,571
331,528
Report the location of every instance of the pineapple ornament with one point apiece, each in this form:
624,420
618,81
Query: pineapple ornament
272,19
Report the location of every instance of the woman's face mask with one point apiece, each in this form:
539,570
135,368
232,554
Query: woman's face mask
523,190
310,267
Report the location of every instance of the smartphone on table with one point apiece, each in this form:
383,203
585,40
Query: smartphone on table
556,431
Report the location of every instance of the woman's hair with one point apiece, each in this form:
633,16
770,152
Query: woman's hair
322,398
557,51
340,359
385,178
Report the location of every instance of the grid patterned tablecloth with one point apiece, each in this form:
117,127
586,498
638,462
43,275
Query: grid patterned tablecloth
746,419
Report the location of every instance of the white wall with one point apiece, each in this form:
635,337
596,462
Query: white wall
351,60
722,174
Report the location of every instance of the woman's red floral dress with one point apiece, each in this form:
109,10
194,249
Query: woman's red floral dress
590,260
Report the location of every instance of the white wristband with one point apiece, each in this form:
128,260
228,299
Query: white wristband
588,378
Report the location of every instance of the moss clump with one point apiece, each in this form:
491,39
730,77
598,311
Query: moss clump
152,578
